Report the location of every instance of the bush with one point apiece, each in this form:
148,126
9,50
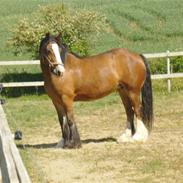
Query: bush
177,64
77,28
159,66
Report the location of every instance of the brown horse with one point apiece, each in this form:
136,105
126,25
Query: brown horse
70,78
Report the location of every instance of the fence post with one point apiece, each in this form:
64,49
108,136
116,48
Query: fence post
168,71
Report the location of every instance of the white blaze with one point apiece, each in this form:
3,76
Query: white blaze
55,48
57,53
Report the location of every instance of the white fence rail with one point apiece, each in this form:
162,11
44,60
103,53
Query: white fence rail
23,84
165,55
169,75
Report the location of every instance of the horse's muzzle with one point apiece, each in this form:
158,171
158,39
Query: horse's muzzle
59,70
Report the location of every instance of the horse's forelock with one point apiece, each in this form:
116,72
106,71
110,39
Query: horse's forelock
50,39
44,42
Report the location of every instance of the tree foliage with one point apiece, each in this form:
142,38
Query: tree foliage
78,29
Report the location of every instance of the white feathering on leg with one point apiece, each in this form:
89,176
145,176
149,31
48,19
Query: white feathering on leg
141,134
127,135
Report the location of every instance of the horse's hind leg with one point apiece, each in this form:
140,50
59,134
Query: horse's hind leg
130,128
141,134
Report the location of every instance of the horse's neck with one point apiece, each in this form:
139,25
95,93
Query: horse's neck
72,59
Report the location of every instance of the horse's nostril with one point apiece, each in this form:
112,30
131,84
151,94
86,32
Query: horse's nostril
57,71
60,73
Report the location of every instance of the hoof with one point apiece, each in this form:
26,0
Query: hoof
140,137
125,137
60,144
68,144
72,145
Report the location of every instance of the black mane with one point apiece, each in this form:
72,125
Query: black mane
66,49
76,55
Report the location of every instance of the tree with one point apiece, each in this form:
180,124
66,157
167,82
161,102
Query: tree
78,28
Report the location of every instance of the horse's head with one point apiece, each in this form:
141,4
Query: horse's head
50,53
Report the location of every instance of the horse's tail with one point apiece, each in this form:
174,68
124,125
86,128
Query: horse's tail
147,98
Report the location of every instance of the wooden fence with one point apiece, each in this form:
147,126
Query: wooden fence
167,55
11,165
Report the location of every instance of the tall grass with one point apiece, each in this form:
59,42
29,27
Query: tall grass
143,26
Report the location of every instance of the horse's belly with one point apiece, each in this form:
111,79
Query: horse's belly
88,97
92,93
97,83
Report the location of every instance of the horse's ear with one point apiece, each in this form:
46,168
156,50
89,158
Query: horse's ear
59,38
47,35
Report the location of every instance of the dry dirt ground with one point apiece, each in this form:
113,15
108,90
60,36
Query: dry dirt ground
101,159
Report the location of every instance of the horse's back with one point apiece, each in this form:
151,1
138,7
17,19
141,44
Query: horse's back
102,74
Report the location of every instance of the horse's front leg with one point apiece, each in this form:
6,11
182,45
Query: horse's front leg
63,124
74,138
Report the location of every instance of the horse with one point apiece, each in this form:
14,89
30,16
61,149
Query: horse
69,78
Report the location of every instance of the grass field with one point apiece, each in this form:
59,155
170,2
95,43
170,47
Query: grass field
100,159
143,26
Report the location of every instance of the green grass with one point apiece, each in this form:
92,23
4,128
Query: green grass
143,26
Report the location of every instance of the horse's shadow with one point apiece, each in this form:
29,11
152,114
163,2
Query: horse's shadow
53,145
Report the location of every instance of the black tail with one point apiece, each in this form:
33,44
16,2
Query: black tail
147,98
